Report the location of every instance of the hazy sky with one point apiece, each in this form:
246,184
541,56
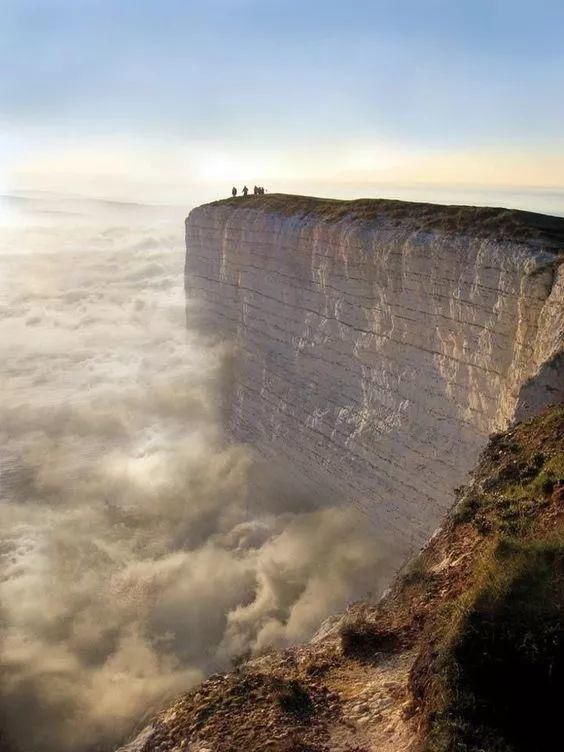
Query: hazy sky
122,92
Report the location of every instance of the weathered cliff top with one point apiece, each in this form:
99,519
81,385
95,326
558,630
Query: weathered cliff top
478,221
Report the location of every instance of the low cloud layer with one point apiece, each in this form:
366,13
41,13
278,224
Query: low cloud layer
139,550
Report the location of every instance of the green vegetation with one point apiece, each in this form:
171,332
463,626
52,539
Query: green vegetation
492,674
519,480
500,666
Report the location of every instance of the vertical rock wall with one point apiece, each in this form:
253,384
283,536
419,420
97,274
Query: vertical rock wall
374,356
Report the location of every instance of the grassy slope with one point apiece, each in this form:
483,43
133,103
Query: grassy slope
491,666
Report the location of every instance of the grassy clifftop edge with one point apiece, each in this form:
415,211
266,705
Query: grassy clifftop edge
539,230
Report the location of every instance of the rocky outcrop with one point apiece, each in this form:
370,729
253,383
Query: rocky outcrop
465,651
378,343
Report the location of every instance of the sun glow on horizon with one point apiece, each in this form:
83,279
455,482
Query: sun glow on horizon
142,170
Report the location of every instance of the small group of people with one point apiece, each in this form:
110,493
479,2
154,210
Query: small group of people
258,191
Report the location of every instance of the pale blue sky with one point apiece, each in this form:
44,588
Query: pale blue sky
279,78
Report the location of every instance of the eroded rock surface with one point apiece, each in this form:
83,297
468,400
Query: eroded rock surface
379,343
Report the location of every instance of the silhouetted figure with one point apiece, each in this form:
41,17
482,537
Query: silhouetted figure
256,190
245,191
234,191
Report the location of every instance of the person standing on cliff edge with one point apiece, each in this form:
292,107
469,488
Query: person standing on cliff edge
245,191
234,191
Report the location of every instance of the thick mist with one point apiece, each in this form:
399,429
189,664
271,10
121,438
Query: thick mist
139,550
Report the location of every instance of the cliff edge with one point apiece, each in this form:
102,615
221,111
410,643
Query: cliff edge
378,343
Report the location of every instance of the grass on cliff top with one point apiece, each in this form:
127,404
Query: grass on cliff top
477,221
492,672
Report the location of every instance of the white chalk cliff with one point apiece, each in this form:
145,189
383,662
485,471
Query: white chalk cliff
379,343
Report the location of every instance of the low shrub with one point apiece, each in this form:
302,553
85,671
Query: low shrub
361,638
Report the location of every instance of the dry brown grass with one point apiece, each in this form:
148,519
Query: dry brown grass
476,221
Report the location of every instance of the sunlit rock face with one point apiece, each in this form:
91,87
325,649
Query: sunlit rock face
376,351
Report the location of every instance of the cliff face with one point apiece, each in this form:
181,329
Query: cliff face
374,355
379,343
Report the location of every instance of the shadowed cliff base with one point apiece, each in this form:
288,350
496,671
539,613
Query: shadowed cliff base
477,221
464,652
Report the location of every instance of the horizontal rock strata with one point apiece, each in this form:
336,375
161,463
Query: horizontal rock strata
379,343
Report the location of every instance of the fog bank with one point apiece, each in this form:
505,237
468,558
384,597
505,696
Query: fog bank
139,549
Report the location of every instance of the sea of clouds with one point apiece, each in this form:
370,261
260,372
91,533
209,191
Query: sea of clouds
140,550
